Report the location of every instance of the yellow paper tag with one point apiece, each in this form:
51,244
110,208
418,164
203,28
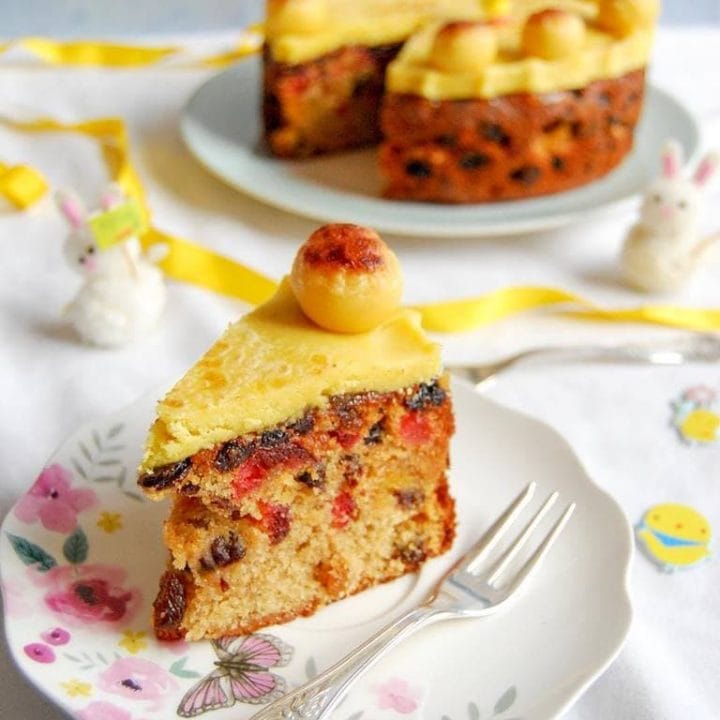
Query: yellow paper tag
117,225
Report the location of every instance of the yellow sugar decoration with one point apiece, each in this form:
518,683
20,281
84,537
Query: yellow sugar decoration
76,688
110,522
133,641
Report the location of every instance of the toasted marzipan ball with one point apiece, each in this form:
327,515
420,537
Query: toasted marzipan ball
553,33
622,17
346,278
297,17
464,45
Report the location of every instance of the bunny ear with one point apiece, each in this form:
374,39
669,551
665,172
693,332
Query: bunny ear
706,169
72,208
671,159
112,196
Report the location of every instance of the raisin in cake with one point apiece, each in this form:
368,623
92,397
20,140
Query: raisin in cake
306,459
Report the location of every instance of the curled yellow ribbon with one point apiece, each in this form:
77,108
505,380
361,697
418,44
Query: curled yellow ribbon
197,265
104,54
185,260
471,313
100,53
189,262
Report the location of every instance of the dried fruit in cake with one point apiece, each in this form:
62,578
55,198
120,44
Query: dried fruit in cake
510,147
555,107
367,522
327,104
304,464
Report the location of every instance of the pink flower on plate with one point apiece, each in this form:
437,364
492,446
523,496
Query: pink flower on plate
56,636
103,711
396,694
39,652
135,678
53,501
89,593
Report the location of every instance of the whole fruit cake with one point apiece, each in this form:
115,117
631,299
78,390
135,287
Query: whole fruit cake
470,101
306,452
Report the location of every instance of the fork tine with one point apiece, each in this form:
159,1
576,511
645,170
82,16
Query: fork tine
535,560
474,556
518,545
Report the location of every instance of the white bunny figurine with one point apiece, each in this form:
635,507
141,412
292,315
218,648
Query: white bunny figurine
123,294
663,249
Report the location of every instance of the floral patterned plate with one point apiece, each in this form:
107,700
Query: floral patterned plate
81,555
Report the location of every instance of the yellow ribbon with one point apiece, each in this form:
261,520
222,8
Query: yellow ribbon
108,54
185,260
471,313
189,262
21,185
194,264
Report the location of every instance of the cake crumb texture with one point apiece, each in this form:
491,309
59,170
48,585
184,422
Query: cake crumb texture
360,515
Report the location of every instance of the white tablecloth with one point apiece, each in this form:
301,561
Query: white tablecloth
617,419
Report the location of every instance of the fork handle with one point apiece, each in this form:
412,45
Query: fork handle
319,697
667,353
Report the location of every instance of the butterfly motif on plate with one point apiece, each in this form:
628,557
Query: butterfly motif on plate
241,675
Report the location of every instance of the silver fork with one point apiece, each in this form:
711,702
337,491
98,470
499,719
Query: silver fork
472,588
696,348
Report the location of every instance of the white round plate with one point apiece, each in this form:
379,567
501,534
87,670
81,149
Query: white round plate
81,555
221,125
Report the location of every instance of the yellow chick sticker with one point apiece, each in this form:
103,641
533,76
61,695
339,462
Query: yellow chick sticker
674,536
696,416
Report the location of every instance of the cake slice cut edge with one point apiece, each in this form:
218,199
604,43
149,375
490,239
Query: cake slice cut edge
399,432
368,514
268,368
